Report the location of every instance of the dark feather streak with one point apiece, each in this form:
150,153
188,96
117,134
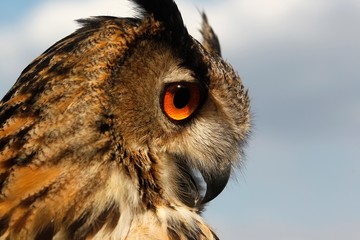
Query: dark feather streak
4,223
46,233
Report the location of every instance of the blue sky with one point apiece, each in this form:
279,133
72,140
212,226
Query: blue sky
11,10
300,60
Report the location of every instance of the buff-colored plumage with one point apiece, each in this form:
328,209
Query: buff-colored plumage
88,149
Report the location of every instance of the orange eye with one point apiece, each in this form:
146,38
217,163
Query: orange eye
180,100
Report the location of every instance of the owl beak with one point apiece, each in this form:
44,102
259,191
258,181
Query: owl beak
216,183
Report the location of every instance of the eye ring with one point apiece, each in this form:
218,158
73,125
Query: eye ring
181,99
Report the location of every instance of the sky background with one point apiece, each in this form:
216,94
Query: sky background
300,60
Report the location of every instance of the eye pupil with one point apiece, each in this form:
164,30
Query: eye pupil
182,97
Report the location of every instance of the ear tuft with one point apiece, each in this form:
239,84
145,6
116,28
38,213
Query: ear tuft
210,39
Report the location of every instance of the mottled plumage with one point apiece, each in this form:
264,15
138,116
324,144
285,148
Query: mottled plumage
90,146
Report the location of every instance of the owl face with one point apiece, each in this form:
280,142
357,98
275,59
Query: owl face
183,113
124,129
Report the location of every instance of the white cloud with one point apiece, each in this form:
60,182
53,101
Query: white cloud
56,18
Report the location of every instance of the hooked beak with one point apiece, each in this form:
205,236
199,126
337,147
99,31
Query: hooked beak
215,182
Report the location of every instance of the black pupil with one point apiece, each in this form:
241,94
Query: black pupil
182,97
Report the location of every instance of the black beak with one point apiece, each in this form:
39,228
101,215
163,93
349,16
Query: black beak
216,182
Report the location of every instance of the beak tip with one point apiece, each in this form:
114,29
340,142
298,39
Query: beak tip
216,183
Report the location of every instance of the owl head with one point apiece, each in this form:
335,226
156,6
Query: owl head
184,104
118,121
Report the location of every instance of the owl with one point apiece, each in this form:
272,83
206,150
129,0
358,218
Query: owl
124,129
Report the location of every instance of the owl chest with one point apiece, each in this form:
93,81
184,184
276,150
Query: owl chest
153,218
130,191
